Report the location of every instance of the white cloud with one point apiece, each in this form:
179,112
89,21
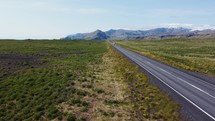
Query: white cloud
178,25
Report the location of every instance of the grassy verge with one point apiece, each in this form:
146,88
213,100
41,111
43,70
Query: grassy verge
149,103
106,95
191,54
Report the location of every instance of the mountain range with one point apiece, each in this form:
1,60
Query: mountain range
158,33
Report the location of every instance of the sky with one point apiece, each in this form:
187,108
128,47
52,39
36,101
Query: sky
53,19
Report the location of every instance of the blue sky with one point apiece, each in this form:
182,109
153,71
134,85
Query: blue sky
21,19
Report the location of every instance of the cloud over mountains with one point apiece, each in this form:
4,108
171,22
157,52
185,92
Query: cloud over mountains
193,27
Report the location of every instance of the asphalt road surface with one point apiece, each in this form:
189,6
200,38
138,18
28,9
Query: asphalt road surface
196,91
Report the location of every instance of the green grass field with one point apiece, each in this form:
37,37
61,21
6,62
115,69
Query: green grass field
192,54
75,80
51,68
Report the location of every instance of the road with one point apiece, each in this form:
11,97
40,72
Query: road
196,91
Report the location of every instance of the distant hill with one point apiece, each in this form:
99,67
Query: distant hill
158,33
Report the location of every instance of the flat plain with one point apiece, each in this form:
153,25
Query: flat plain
191,54
76,80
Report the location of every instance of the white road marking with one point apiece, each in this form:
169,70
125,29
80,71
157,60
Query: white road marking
181,94
196,87
165,71
148,62
188,83
175,90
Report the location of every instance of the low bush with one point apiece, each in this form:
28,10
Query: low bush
112,102
71,117
99,91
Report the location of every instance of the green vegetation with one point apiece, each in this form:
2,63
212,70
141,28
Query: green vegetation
35,93
192,54
75,81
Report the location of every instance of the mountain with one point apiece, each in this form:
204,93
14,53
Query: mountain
96,35
158,33
188,34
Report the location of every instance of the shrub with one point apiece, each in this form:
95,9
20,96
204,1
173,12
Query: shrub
73,90
99,91
52,112
109,113
71,117
82,93
84,109
87,86
112,102
75,101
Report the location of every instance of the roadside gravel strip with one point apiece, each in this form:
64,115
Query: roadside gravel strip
196,93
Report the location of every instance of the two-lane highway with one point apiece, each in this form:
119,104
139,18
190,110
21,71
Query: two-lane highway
198,92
